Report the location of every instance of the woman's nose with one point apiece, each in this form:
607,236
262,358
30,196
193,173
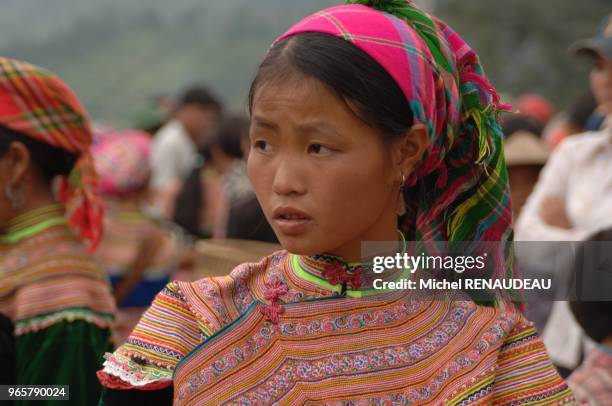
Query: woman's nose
287,178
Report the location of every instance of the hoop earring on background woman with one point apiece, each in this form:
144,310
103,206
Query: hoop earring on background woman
15,198
401,203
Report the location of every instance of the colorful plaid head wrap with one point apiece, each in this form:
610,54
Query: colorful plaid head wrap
459,191
38,104
122,162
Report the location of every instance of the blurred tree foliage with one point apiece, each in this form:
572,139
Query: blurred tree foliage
116,54
523,44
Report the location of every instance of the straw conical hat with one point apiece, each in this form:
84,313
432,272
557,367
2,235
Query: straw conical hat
525,148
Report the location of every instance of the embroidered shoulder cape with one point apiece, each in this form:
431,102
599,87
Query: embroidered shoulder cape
215,342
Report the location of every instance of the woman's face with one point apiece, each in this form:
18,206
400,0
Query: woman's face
5,205
601,84
324,178
21,180
12,166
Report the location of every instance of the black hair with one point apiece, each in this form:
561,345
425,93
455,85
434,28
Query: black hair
229,134
595,318
49,160
519,122
592,308
188,203
353,75
582,108
200,96
246,221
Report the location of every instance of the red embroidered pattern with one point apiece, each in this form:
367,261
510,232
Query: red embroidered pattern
274,289
336,274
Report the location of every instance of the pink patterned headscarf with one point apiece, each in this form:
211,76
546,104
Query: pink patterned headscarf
122,162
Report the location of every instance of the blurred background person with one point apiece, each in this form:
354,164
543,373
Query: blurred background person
536,107
154,113
138,253
599,49
198,205
512,123
220,193
591,382
580,114
524,150
175,145
573,196
229,160
591,308
52,289
525,154
574,121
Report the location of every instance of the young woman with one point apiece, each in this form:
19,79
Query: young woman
54,292
365,119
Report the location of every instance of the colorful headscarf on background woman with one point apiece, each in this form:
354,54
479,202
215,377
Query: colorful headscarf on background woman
36,103
122,162
459,191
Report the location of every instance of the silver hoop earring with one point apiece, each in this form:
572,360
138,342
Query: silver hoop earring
15,198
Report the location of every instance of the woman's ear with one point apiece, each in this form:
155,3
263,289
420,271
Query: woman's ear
408,150
18,161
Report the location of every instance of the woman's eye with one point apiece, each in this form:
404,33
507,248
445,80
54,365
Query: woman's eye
319,149
263,146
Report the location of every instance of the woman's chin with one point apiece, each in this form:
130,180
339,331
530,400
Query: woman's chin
299,246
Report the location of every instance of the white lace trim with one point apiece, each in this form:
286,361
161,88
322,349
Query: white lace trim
130,373
70,315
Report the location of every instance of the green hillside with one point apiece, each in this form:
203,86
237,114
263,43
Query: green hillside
117,56
118,53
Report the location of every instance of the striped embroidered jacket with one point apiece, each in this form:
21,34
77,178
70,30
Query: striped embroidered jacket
47,276
279,332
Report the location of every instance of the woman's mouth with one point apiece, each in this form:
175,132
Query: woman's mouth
291,221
